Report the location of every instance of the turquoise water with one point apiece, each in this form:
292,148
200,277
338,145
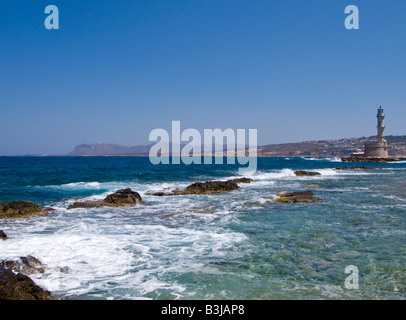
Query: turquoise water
239,245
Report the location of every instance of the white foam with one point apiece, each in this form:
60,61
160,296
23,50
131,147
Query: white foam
326,172
331,159
74,186
136,257
393,197
274,175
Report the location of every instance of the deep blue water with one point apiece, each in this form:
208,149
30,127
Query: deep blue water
239,245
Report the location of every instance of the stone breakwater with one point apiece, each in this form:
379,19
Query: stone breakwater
372,159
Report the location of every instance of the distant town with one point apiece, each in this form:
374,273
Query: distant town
331,148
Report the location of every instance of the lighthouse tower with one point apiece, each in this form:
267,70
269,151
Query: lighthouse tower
378,149
381,125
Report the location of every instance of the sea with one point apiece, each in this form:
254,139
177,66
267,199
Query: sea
241,245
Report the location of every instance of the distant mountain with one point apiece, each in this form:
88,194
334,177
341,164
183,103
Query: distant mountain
96,149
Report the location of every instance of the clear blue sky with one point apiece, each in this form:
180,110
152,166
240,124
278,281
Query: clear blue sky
115,70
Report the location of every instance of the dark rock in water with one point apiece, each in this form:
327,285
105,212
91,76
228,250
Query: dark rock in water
211,187
301,173
121,198
3,235
358,168
208,187
20,287
20,209
85,205
26,265
296,197
241,180
158,193
175,192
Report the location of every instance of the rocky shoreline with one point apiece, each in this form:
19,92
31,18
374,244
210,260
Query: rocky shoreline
17,286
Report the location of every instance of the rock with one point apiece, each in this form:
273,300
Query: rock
206,211
296,197
175,192
20,209
85,205
26,265
3,236
301,173
20,287
208,187
121,198
241,180
211,187
158,193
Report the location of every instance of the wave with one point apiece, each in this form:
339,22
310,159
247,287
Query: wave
74,186
80,185
132,256
330,159
278,174
290,174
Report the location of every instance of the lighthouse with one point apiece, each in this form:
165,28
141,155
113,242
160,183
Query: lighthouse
381,125
378,149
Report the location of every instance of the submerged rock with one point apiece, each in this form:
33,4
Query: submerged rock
241,180
175,192
301,173
296,197
121,198
20,287
20,209
206,211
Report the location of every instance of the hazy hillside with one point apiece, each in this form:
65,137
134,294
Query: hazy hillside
95,149
326,148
